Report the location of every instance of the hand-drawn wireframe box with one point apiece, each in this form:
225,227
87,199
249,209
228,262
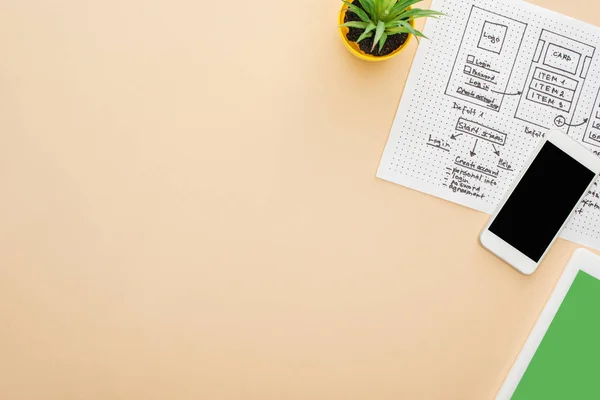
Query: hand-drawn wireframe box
592,129
480,131
562,58
486,59
558,70
492,37
552,90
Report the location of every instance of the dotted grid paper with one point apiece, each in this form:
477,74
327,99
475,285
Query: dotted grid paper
492,80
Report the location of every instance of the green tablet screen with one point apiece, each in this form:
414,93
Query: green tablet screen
566,364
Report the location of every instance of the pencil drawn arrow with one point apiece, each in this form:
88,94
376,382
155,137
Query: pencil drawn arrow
474,146
576,125
508,94
453,137
496,151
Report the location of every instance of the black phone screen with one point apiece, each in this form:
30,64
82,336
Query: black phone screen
542,201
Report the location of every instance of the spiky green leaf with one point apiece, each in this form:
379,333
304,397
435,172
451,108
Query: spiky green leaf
379,7
401,7
387,6
368,6
404,4
367,33
384,16
382,41
410,29
418,13
355,24
395,30
358,11
364,36
378,33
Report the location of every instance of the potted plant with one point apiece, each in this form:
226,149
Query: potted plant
375,30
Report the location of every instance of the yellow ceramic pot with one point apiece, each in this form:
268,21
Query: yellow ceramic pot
353,46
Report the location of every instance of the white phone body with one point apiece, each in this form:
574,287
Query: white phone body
502,248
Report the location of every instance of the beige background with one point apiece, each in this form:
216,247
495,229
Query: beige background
190,211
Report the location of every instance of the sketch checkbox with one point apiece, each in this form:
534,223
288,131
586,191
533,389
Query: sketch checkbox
467,69
470,59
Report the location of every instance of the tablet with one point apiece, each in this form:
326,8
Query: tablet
561,357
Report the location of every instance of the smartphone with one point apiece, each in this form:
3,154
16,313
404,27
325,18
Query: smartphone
538,205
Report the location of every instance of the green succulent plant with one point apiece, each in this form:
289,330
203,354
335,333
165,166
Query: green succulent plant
384,18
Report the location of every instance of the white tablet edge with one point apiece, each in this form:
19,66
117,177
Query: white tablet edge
581,260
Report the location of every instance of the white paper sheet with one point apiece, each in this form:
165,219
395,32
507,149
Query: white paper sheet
492,80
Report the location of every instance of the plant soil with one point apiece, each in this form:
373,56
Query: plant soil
391,44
